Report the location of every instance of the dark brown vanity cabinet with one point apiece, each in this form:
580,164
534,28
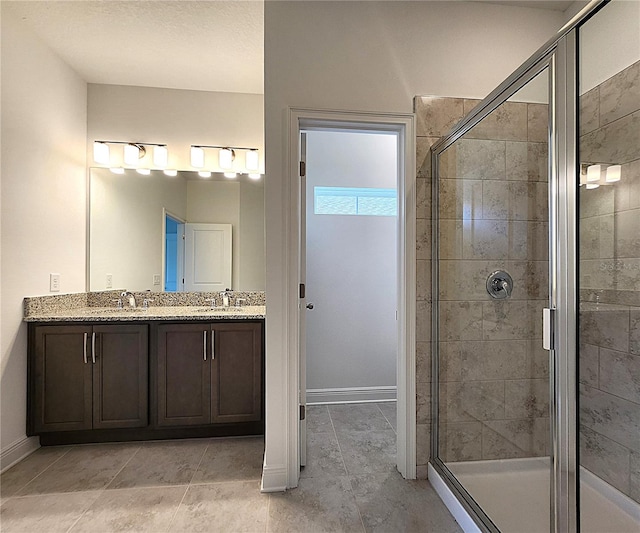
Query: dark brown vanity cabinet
88,377
209,373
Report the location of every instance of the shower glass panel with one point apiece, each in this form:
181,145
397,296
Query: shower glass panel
493,376
609,269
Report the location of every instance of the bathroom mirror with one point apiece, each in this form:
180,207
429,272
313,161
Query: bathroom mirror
130,213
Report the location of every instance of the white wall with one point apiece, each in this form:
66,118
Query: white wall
370,56
351,266
177,118
43,198
609,43
126,226
251,246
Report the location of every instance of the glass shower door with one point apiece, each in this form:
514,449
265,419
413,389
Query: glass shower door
492,279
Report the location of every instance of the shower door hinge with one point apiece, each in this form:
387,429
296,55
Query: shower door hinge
548,316
303,169
303,412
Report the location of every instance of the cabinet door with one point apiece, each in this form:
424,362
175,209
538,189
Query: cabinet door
62,384
236,373
184,374
120,377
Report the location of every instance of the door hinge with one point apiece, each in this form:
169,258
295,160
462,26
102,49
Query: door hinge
302,290
303,412
303,169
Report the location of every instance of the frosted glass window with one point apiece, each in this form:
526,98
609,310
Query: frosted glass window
355,201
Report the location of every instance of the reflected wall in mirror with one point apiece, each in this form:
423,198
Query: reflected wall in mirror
127,217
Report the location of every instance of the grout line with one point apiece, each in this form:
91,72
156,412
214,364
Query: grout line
100,492
122,468
17,494
266,525
186,489
388,421
335,434
199,463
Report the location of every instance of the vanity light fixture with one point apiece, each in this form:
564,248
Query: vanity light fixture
143,171
170,172
197,157
117,170
614,172
204,174
231,175
593,173
101,153
252,161
133,153
593,185
226,158
160,155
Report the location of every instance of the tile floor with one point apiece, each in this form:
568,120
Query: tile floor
349,484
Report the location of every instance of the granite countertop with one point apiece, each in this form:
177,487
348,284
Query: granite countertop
164,313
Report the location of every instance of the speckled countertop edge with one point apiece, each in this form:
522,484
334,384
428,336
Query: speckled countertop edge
100,307
168,313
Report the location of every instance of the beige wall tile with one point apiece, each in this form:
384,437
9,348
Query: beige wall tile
466,280
423,238
507,123
485,239
436,116
605,328
486,360
627,234
460,321
528,240
423,362
423,198
590,111
461,441
423,155
450,239
526,398
423,280
620,95
495,200
423,443
506,320
506,439
423,321
616,142
471,400
460,199
450,361
606,458
620,374
538,122
634,332
589,364
634,476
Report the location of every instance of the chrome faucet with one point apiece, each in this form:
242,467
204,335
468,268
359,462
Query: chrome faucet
129,299
226,294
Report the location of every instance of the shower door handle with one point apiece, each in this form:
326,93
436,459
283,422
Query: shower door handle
548,316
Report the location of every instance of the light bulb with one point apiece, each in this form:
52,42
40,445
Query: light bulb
101,153
170,172
252,160
593,173
254,175
143,171
131,154
230,175
197,157
117,170
614,173
160,156
593,185
225,158
204,174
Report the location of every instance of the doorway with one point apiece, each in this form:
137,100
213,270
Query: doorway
173,255
399,128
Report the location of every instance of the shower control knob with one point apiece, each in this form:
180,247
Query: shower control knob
499,285
309,306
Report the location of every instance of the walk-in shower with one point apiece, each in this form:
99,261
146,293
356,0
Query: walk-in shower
536,206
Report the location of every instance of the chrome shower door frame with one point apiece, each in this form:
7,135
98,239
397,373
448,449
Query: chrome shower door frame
559,55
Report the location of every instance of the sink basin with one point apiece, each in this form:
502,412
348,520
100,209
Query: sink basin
111,310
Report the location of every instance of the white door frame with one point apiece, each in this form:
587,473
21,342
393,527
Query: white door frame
403,124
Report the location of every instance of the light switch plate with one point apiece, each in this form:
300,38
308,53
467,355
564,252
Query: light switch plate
109,281
156,279
54,282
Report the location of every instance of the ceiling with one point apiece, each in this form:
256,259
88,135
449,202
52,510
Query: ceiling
181,44
207,45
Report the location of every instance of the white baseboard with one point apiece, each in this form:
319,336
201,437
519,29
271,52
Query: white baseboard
351,395
274,479
18,451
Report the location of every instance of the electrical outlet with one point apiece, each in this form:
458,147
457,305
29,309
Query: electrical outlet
54,282
109,284
156,279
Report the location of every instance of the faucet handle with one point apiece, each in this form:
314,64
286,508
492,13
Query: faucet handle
213,302
240,301
146,302
118,302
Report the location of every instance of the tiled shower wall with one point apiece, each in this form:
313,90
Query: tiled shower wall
609,356
493,215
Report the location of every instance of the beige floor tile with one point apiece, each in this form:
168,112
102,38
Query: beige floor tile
149,509
357,417
50,513
161,463
317,505
229,507
83,468
366,452
323,456
237,459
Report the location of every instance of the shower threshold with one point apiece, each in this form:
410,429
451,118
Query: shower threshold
515,495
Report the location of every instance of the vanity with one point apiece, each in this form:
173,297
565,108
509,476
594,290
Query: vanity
177,369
